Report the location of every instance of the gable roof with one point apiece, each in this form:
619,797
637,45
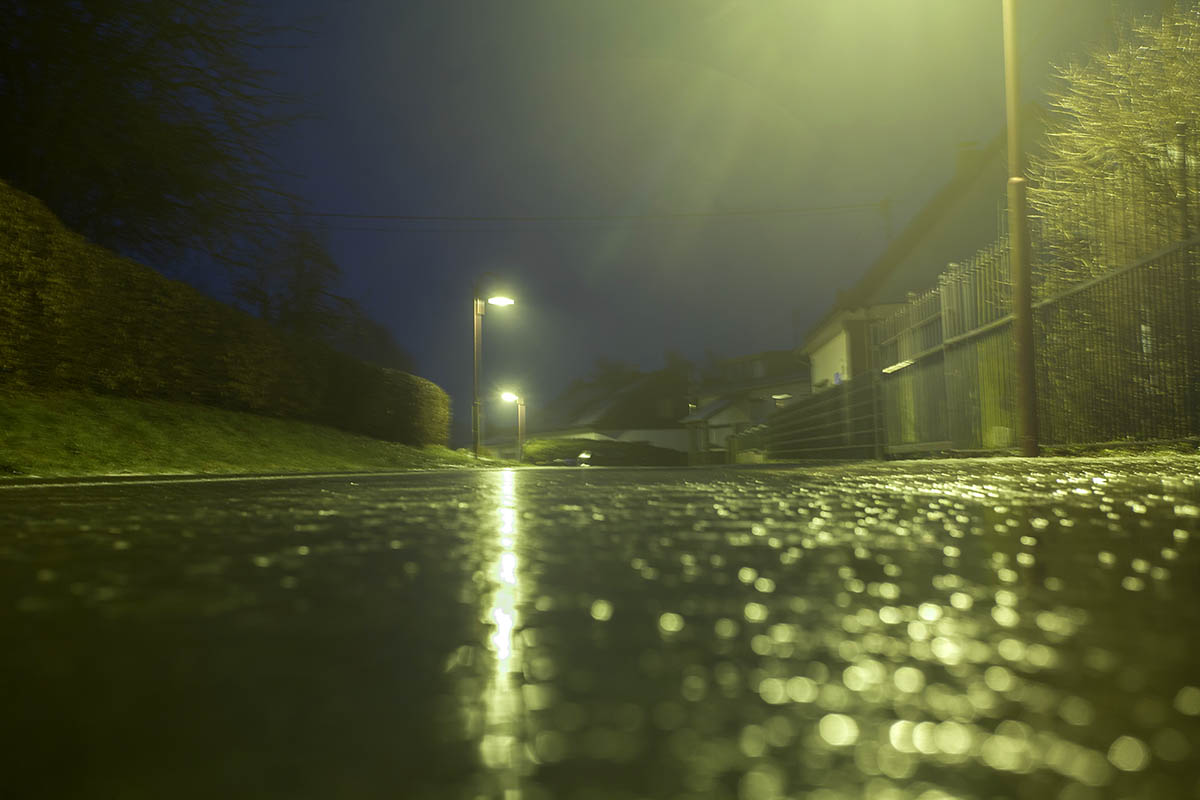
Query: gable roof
973,166
703,413
630,403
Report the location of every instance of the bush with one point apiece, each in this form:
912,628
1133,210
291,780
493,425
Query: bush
74,315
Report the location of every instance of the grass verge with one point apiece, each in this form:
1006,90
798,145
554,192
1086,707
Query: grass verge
54,434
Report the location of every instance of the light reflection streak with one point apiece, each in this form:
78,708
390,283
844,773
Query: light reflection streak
502,747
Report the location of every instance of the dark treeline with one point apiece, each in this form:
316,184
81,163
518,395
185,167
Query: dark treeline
147,126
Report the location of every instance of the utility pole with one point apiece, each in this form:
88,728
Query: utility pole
476,409
1020,252
521,429
1189,267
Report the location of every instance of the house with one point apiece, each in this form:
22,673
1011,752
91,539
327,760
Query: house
967,213
839,347
734,394
624,406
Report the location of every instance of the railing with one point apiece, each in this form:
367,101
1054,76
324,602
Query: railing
1116,356
1116,328
840,422
946,360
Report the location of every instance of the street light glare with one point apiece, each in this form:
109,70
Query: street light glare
479,307
509,397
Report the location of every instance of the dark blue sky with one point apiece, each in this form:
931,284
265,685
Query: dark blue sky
615,107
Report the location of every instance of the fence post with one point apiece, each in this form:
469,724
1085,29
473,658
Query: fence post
1189,333
847,432
953,408
876,414
874,365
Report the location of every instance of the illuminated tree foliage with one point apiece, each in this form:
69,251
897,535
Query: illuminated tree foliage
1114,187
143,124
1109,185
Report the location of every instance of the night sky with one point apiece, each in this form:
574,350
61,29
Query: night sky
624,108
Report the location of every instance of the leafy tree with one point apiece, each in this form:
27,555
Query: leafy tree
292,286
674,359
1108,185
356,334
145,125
611,372
307,272
142,123
1115,183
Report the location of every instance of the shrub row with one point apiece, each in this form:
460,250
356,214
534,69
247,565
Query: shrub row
73,314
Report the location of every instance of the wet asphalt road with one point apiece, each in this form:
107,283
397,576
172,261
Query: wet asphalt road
987,629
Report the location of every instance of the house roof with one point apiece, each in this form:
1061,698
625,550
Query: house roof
972,166
726,374
834,321
709,409
597,410
630,402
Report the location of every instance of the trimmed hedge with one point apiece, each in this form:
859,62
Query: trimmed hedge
75,315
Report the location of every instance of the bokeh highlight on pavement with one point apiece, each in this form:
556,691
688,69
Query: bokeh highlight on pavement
952,629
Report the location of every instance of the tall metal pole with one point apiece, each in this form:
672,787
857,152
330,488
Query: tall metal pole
1018,243
476,410
1189,333
521,429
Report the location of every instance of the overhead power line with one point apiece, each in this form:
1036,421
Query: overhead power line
546,223
651,215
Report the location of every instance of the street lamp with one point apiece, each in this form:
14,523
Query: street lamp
510,397
1018,243
496,298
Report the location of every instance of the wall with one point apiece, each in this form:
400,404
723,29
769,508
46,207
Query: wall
670,438
831,357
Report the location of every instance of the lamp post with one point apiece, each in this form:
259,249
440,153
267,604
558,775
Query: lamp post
480,307
510,397
1019,244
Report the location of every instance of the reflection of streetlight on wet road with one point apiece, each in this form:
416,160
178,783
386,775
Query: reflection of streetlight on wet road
501,747
510,397
496,297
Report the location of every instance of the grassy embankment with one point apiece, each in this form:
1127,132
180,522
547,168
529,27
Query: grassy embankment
59,433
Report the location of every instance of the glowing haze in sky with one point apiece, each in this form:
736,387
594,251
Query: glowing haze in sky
540,108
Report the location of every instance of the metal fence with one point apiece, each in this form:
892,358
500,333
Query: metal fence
1116,327
946,360
1118,353
1115,356
841,422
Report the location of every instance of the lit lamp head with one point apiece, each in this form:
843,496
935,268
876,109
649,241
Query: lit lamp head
509,397
494,290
